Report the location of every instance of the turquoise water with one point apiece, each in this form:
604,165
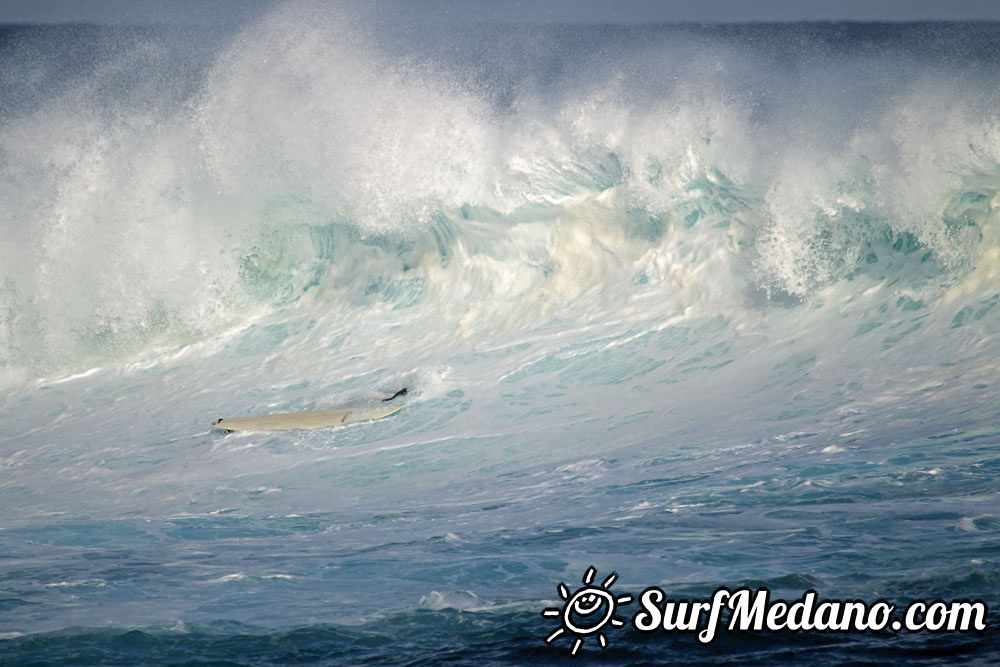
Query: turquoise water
705,306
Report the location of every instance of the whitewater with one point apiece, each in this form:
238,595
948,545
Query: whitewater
702,305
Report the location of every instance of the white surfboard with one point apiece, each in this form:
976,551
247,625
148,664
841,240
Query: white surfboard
287,421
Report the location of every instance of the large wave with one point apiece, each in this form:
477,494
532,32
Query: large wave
467,184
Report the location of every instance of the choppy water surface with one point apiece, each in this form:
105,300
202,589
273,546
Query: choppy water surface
707,306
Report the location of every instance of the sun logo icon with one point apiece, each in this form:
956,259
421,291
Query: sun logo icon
587,610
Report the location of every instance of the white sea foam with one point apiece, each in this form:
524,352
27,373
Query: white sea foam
393,189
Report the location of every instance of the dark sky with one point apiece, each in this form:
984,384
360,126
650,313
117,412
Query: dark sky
603,11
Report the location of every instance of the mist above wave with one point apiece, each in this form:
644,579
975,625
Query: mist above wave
495,181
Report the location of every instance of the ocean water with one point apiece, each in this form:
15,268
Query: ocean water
702,305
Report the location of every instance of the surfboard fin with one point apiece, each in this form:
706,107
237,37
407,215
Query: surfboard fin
401,392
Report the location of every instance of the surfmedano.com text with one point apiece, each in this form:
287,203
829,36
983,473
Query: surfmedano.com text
743,610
